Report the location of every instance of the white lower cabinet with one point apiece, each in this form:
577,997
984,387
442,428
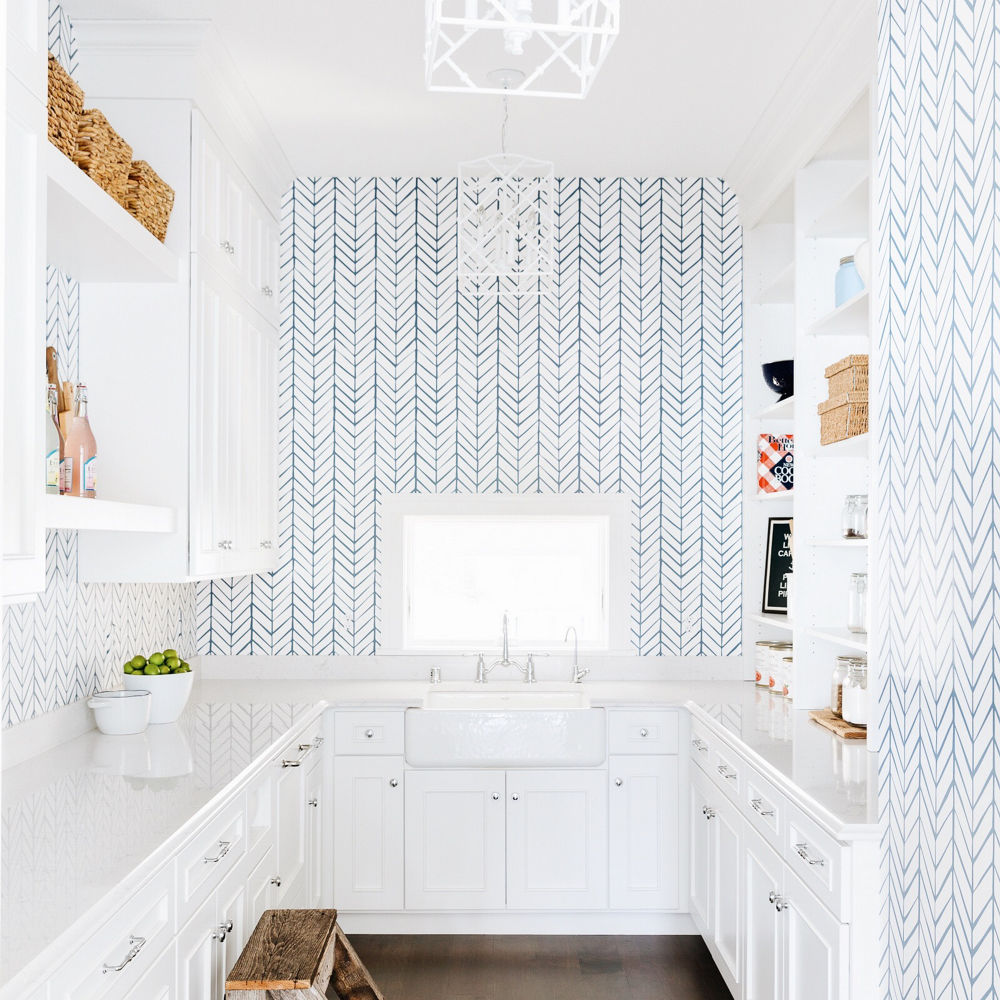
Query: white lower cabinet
368,834
261,886
160,983
557,841
455,856
815,946
315,867
643,832
762,880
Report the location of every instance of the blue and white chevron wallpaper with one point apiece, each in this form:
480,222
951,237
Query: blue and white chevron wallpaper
938,366
73,639
627,379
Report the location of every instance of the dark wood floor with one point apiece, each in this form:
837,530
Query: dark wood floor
494,967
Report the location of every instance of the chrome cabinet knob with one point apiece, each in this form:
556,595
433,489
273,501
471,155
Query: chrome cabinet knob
619,782
314,803
515,797
369,734
496,796
393,782
709,813
643,733
276,881
772,896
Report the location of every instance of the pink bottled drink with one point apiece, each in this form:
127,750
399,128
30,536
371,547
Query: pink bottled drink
81,451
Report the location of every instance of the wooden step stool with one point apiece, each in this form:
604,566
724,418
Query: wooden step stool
298,955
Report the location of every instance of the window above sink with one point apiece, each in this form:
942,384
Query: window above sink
454,564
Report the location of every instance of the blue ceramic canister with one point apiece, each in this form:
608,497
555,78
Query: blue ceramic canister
848,283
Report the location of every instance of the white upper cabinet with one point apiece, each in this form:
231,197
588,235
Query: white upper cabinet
23,399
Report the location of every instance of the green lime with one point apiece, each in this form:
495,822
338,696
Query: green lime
151,669
138,662
157,659
128,667
168,653
173,662
184,664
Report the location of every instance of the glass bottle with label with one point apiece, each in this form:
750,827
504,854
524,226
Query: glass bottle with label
53,443
81,450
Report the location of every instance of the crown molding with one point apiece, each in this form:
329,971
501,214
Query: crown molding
183,60
829,76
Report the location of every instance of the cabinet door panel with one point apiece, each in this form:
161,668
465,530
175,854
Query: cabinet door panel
260,889
726,867
314,837
557,840
455,840
700,853
815,946
23,348
643,832
160,983
232,909
197,956
762,882
368,839
290,826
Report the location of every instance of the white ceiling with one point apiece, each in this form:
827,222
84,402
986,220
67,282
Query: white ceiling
341,84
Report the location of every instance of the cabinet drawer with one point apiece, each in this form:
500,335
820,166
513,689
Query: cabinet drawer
205,860
111,961
643,732
817,859
764,806
701,745
727,770
368,732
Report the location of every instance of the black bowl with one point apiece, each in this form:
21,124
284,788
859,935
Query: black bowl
780,378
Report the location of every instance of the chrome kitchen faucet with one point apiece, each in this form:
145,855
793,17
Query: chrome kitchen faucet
483,671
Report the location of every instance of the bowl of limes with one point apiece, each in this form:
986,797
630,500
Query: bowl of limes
166,677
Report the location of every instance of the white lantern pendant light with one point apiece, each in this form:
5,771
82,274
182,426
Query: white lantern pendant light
506,218
558,45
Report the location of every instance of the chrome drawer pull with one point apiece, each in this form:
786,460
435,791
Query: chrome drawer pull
758,807
802,850
314,803
224,846
291,763
700,745
304,748
727,772
134,947
709,812
276,881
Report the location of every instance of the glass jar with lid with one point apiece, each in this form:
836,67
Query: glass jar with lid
788,663
762,650
841,666
857,705
778,651
854,516
857,603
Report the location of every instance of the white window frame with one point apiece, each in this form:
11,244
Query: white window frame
397,506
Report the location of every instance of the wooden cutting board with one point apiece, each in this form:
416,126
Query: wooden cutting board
845,730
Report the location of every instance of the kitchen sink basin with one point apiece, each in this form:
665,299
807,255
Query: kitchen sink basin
503,697
512,736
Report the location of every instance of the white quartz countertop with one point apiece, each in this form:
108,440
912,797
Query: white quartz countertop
79,819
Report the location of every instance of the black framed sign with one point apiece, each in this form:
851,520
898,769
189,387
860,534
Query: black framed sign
777,565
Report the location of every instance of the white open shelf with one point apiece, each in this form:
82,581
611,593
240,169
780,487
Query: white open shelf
842,637
781,288
848,320
785,410
782,622
852,447
771,497
82,514
91,237
846,217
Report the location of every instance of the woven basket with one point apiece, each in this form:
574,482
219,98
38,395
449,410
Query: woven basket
149,198
849,374
65,107
103,154
843,417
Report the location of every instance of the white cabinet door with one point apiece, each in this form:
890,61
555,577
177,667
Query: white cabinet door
557,840
700,852
290,836
23,571
217,201
762,885
455,830
314,837
368,839
643,832
198,955
260,889
815,946
726,876
231,917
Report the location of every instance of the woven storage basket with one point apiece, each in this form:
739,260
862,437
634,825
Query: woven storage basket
149,198
843,417
849,374
65,107
103,154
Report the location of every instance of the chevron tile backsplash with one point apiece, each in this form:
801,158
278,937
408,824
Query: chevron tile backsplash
937,362
74,638
627,379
